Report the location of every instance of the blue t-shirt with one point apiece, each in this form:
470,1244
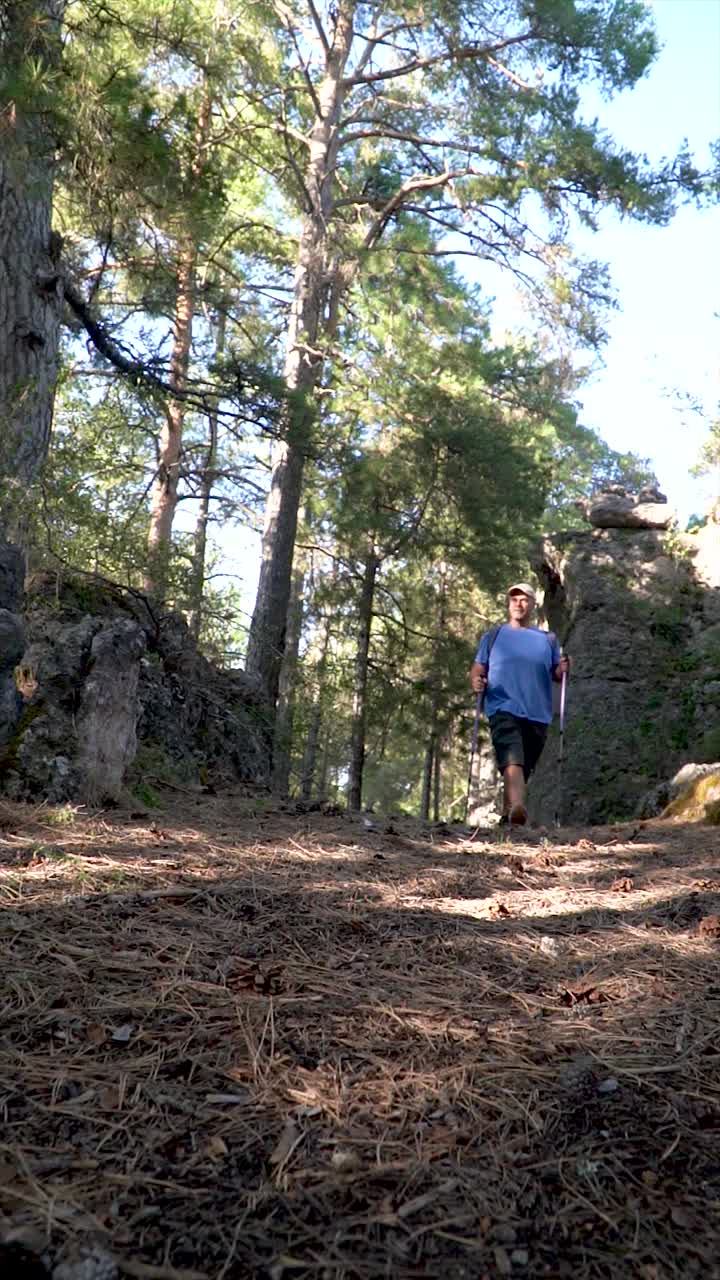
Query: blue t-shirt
522,661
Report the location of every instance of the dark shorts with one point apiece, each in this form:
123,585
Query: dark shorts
517,741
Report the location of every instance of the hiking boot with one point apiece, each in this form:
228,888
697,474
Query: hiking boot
518,815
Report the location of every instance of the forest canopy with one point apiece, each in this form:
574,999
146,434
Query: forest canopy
237,297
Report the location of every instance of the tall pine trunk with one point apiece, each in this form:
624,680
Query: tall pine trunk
313,735
427,778
282,745
303,366
436,781
431,770
163,498
30,279
362,657
207,481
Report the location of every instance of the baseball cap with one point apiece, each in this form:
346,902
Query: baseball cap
525,587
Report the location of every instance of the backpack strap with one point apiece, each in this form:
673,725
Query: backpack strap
493,634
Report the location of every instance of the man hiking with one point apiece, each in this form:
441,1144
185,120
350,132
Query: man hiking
514,668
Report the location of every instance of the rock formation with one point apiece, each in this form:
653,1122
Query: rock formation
12,638
102,693
638,609
615,508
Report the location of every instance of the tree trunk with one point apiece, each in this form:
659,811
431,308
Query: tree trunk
427,779
163,500
207,480
30,279
313,734
357,741
303,365
436,782
431,771
282,744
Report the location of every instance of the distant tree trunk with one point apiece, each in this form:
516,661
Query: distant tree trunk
436,782
30,278
163,499
362,654
431,771
427,779
282,744
303,365
207,481
322,787
313,734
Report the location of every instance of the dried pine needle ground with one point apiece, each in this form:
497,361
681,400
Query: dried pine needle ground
286,1046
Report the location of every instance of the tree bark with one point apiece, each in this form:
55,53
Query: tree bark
313,734
427,779
163,500
357,741
30,279
207,481
303,365
282,744
436,781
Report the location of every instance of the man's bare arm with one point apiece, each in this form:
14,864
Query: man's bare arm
478,676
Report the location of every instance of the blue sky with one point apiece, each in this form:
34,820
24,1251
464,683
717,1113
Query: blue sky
666,334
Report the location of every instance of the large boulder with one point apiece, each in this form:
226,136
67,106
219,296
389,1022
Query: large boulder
615,509
108,709
108,693
641,627
697,800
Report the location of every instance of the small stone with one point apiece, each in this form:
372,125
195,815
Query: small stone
344,1161
89,1264
550,947
520,1257
502,1261
611,1085
504,1233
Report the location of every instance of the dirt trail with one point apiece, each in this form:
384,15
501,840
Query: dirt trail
289,1046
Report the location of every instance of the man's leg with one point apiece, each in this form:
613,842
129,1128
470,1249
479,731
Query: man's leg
507,740
514,787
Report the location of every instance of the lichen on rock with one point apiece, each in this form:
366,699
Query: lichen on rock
638,612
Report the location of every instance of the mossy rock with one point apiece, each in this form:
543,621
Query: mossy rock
692,803
712,813
8,754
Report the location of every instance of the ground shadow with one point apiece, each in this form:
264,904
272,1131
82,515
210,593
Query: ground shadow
294,1047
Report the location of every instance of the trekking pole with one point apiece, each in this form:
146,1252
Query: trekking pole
473,748
561,750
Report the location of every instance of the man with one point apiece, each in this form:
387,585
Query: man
515,667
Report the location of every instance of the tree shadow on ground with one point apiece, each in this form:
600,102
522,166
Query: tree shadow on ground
291,1047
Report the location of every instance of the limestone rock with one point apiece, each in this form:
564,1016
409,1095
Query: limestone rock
11,577
12,638
12,642
107,693
697,796
643,630
658,800
609,510
108,711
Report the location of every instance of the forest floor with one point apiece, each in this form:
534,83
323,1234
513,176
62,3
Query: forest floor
239,1043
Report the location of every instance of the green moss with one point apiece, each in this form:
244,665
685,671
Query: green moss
712,813
8,756
693,802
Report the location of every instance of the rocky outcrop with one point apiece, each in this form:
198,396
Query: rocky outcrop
639,613
695,794
108,693
615,508
12,638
